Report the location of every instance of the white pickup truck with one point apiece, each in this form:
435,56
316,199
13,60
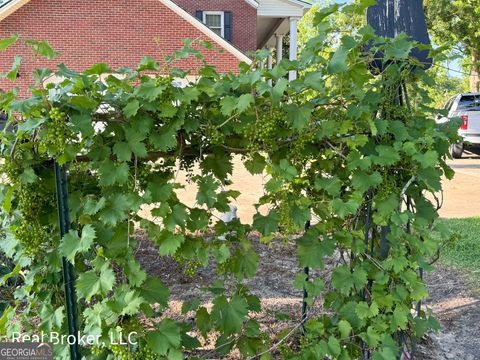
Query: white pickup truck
467,107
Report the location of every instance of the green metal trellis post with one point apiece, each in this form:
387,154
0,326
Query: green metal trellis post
306,271
68,271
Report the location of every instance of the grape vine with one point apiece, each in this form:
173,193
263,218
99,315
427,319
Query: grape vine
339,150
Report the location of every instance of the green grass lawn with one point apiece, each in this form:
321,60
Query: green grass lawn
464,252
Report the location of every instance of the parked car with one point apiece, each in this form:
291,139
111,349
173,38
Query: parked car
467,107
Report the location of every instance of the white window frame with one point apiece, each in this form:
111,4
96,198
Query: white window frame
222,20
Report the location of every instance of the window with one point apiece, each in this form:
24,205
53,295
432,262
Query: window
469,103
215,21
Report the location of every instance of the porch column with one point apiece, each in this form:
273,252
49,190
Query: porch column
293,44
270,65
279,47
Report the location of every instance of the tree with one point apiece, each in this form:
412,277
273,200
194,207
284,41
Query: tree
455,23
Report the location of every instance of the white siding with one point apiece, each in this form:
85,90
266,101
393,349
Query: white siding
279,8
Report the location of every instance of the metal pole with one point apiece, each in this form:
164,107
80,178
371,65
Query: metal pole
306,271
68,270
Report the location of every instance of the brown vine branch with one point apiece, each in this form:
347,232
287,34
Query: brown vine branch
335,149
276,345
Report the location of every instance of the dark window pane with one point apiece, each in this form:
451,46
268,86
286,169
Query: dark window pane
469,103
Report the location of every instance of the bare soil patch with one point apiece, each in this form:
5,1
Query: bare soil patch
455,304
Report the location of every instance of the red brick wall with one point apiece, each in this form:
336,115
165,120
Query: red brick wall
118,32
244,19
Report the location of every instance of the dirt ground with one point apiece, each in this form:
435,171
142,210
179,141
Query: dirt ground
457,306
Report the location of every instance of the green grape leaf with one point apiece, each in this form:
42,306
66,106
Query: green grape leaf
219,163
148,63
166,337
245,264
42,48
332,185
189,94
112,173
72,244
256,164
338,63
155,292
364,311
427,159
400,318
188,306
165,138
266,224
135,142
344,280
131,109
228,105
149,90
244,102
122,151
136,276
299,115
13,73
229,315
203,321
345,208
5,43
334,346
344,328
312,249
90,284
178,217
160,192
170,243
132,302
279,88
207,187
28,176
387,155
399,47
371,337
362,181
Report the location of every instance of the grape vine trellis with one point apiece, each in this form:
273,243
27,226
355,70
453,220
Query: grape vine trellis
335,144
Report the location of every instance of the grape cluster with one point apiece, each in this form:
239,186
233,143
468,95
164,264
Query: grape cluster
57,132
97,350
190,267
121,352
33,199
139,176
264,131
167,94
11,169
131,324
145,353
299,149
143,172
31,235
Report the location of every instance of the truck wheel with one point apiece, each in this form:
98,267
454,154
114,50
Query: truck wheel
456,150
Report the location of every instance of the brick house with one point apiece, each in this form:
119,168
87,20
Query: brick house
121,32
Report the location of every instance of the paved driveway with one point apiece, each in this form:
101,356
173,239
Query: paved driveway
462,194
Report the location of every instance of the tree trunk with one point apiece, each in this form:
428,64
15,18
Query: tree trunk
475,72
